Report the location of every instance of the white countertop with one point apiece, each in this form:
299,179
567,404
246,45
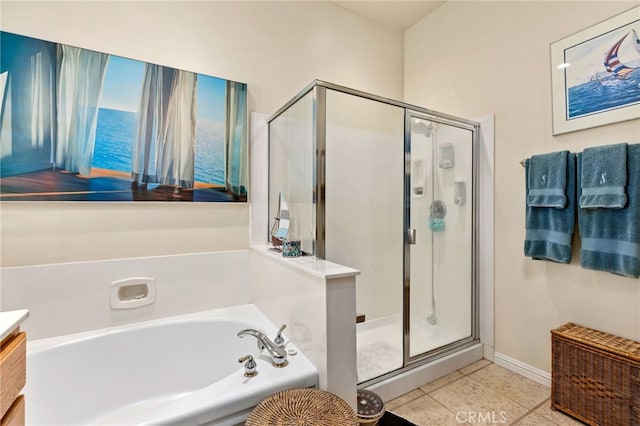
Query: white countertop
309,264
9,320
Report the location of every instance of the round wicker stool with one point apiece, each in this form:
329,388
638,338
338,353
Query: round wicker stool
302,407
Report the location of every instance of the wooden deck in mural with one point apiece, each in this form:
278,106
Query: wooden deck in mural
56,185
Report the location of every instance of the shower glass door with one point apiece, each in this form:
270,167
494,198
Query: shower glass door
364,204
439,250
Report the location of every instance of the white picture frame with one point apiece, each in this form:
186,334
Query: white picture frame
595,74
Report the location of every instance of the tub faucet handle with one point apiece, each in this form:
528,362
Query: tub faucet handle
249,366
279,340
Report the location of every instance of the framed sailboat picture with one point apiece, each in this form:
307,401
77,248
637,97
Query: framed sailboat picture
595,74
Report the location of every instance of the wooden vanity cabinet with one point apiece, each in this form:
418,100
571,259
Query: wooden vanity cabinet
13,375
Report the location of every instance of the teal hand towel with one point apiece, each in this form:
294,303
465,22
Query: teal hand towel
547,180
604,177
610,238
549,229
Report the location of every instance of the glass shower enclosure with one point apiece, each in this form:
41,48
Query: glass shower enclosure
390,189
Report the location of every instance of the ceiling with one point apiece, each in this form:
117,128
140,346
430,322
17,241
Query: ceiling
396,14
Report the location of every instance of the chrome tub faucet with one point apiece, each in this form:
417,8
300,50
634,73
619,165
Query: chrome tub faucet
278,353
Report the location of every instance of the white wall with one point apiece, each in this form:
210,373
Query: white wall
495,59
72,297
277,48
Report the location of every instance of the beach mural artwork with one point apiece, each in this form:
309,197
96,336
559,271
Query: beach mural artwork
79,125
603,73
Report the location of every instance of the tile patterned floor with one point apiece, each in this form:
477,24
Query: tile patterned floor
482,393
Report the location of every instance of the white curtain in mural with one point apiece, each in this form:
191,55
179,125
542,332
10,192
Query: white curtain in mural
235,137
41,98
33,105
163,151
80,77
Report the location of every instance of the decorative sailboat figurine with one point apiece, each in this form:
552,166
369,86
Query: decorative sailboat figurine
280,228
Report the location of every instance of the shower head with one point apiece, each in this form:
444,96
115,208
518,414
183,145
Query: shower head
421,126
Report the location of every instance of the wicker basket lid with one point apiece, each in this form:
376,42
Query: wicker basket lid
302,407
607,342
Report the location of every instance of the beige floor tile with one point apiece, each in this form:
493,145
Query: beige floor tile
475,366
403,399
430,387
533,419
425,411
470,397
556,417
522,390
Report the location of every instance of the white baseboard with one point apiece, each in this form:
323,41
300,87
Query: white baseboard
523,369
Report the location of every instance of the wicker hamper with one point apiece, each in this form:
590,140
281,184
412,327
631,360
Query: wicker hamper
595,376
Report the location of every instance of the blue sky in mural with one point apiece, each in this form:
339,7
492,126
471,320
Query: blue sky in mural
122,84
211,98
117,120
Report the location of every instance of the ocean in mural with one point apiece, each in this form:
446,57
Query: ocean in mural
604,93
116,132
117,121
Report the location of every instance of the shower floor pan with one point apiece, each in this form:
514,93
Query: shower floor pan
379,343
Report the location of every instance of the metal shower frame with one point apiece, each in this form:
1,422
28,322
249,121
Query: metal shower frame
319,140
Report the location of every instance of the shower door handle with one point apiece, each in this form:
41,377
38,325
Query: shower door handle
411,235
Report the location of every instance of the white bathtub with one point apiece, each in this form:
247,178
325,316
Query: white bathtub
182,370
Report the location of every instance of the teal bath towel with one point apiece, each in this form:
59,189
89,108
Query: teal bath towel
547,180
604,177
549,229
610,238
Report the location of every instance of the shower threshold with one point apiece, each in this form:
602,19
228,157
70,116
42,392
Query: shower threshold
379,343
